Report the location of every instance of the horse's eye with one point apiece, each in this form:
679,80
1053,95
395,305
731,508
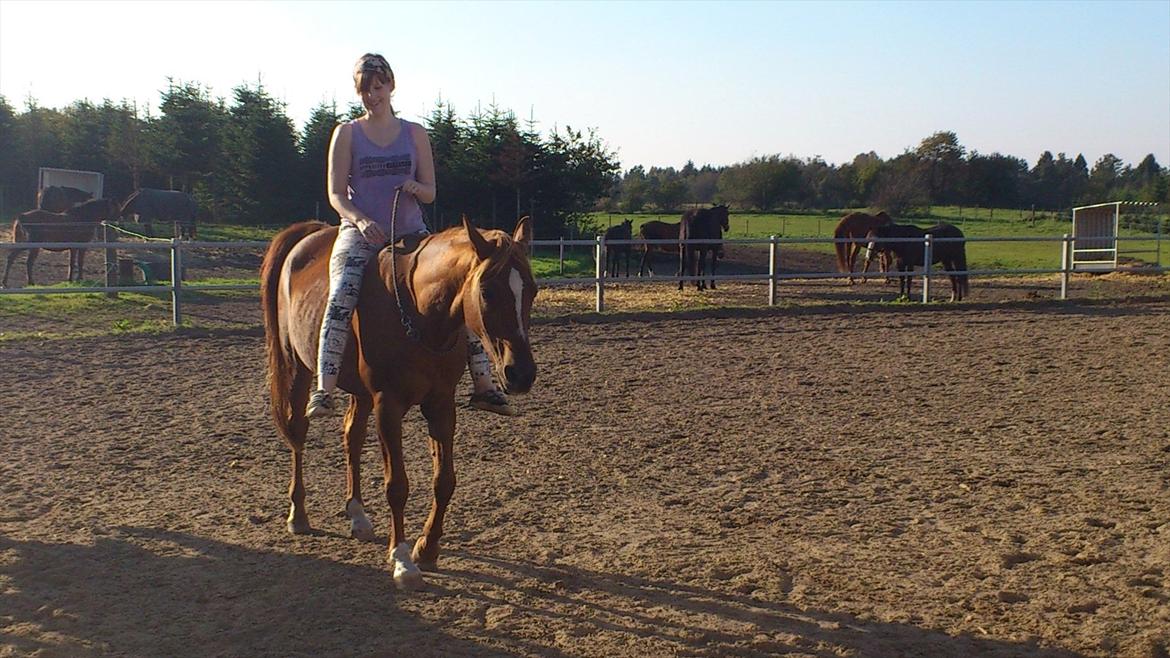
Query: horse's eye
487,295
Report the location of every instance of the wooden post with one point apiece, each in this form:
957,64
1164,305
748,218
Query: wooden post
176,281
599,270
1065,263
773,266
927,256
110,235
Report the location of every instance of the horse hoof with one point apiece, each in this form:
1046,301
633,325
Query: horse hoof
362,532
409,581
299,527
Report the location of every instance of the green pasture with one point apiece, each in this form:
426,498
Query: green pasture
974,222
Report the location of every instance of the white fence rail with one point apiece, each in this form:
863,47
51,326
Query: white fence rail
598,247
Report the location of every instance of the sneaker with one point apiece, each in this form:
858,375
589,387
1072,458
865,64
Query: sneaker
493,401
320,404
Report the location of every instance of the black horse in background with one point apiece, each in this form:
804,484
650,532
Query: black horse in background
909,253
623,231
150,205
701,224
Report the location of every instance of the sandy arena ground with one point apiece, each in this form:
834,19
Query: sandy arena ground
887,480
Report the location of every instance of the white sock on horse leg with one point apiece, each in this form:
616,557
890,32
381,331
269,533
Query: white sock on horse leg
479,365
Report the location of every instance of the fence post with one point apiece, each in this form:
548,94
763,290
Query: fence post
110,235
927,257
1065,245
562,256
600,269
773,262
176,281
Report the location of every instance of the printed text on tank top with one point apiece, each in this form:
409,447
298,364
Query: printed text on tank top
396,161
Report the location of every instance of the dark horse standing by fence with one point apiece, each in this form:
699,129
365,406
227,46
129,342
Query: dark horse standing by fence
623,231
856,226
59,199
910,253
701,224
655,230
77,224
459,279
152,205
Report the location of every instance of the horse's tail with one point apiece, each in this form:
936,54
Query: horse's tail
281,364
841,247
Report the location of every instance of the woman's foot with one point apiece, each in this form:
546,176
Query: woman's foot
320,404
493,401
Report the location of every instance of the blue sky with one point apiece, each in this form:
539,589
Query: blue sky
661,82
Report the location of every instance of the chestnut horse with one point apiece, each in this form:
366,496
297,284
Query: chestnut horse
701,224
856,226
910,252
77,224
408,347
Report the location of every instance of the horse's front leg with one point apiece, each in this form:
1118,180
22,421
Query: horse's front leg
714,260
389,415
354,438
440,415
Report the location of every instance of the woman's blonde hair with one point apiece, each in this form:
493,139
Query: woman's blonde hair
370,67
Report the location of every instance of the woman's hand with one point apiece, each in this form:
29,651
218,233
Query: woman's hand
370,231
412,187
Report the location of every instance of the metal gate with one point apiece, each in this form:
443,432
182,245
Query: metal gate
1094,235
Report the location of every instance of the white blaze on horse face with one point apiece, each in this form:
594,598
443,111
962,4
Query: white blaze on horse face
516,283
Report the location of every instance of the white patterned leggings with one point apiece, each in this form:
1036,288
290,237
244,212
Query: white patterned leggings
347,263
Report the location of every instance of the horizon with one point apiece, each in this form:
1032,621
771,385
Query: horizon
828,80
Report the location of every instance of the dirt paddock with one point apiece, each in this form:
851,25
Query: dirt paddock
884,481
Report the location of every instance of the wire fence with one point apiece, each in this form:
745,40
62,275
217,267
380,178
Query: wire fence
1063,247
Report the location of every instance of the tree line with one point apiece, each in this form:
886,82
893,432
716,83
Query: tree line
245,162
940,171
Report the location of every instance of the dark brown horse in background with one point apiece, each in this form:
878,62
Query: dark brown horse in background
909,252
856,226
656,230
701,224
77,224
613,253
59,199
462,278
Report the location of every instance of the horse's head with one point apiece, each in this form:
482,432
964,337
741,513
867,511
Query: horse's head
883,218
95,210
721,213
871,244
497,302
628,228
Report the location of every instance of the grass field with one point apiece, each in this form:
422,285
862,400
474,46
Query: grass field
974,222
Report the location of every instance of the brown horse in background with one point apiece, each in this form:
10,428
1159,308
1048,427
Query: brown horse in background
59,198
77,224
656,230
856,226
462,278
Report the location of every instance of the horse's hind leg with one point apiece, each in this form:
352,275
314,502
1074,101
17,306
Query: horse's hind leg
80,264
298,427
440,417
355,438
12,254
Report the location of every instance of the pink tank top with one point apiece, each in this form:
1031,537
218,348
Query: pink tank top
374,173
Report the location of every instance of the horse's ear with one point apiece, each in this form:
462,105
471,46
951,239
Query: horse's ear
481,246
523,233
